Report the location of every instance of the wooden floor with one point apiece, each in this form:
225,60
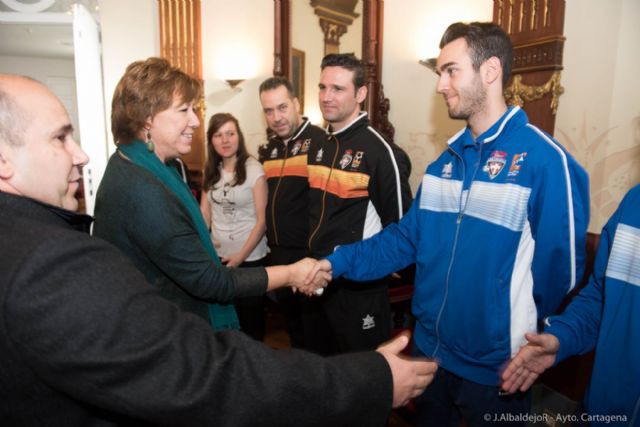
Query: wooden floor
276,337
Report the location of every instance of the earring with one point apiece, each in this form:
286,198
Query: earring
149,142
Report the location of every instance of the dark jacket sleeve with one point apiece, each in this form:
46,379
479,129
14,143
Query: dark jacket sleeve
404,168
85,322
385,185
162,228
140,216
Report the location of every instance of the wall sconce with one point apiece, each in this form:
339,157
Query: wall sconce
430,63
234,82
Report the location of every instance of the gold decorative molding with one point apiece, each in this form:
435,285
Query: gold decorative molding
201,107
180,39
518,93
338,11
332,33
335,18
181,45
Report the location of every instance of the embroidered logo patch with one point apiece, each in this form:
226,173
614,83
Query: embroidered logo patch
357,159
319,155
495,164
368,322
516,164
346,159
447,170
274,153
296,148
305,145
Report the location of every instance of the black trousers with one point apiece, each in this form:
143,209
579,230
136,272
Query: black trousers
307,323
359,314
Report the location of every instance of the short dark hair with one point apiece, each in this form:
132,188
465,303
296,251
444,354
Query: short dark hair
485,39
348,61
275,82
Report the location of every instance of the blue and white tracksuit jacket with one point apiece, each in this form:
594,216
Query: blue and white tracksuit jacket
497,232
606,314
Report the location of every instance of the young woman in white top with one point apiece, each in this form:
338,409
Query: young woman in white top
233,203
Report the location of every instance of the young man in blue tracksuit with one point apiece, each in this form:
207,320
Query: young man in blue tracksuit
497,232
605,315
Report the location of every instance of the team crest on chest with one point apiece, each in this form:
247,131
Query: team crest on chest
346,159
495,164
274,153
447,170
319,155
305,145
516,164
296,148
357,159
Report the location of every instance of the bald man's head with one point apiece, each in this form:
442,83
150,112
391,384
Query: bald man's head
13,116
38,156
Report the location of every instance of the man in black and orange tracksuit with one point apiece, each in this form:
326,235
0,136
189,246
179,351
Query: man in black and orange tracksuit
285,165
356,186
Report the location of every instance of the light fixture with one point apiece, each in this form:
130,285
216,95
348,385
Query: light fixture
430,63
233,83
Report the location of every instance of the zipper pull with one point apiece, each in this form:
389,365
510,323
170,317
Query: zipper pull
459,219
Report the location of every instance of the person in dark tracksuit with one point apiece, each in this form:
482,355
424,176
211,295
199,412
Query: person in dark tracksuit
356,187
285,163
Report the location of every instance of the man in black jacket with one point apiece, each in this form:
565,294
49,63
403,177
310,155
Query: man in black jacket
356,188
84,340
287,213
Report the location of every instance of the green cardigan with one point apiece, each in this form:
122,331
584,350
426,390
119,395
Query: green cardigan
146,221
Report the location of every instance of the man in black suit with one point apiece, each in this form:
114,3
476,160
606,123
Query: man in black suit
85,341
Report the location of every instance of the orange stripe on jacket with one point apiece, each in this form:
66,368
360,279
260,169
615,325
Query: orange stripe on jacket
293,166
346,185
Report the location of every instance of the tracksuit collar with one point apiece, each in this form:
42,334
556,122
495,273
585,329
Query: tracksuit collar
362,115
490,134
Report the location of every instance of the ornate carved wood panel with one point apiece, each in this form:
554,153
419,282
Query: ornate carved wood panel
372,35
536,30
181,45
282,38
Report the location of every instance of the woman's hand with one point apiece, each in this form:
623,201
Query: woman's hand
233,260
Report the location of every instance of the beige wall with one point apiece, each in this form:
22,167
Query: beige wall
306,35
599,114
237,43
130,32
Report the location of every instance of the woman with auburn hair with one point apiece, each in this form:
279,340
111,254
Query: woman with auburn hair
233,204
146,210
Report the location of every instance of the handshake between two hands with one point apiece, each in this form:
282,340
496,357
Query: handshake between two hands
310,276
